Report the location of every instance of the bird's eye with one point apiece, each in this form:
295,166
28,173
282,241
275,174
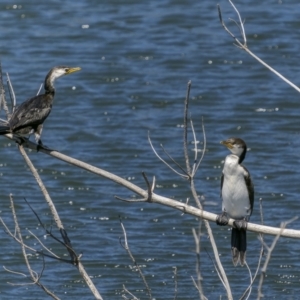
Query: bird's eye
66,70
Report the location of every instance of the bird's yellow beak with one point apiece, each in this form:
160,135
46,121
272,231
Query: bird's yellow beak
72,70
227,144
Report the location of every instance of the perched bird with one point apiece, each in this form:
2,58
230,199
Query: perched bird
29,116
237,192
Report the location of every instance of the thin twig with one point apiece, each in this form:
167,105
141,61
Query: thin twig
18,231
58,222
268,256
42,187
161,159
11,94
175,283
221,272
204,148
198,269
175,162
185,125
125,290
34,277
241,24
40,242
261,253
126,247
249,289
41,86
244,47
3,99
216,268
150,189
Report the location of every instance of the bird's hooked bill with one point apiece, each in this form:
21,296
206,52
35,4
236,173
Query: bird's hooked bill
72,70
227,144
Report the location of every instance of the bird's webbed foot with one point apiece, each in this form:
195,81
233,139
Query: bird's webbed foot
222,219
20,140
240,224
41,146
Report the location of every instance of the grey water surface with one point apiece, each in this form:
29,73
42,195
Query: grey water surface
136,59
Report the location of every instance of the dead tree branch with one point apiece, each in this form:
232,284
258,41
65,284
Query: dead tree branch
243,45
33,275
74,257
184,208
268,257
126,247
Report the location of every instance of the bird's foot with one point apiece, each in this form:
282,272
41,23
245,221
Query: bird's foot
41,146
222,219
20,140
240,224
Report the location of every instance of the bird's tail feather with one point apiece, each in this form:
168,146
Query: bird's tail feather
238,245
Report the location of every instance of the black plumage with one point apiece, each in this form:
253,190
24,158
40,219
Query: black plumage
29,116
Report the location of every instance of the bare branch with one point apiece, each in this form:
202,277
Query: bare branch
268,256
43,246
185,127
131,200
150,189
244,47
39,90
217,270
67,242
249,289
175,283
241,23
157,198
223,275
198,272
11,94
247,292
18,231
125,290
3,99
203,150
14,272
126,247
175,162
42,187
34,276
160,158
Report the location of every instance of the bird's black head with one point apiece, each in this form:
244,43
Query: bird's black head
237,147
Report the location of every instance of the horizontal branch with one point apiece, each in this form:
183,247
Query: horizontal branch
160,199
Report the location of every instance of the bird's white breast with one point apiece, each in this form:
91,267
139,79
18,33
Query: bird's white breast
234,191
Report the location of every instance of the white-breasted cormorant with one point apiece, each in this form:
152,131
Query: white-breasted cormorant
237,192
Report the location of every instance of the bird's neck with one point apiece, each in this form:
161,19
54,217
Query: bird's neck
49,85
50,92
231,165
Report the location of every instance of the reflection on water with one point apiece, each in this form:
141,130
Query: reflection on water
136,60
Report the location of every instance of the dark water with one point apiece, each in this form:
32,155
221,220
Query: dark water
136,59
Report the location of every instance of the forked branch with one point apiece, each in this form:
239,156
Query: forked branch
243,44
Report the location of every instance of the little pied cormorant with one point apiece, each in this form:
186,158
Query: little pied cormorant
237,192
29,116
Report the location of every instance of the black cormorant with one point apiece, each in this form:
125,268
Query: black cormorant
237,192
29,116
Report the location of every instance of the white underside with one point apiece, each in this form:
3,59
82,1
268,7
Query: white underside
234,192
